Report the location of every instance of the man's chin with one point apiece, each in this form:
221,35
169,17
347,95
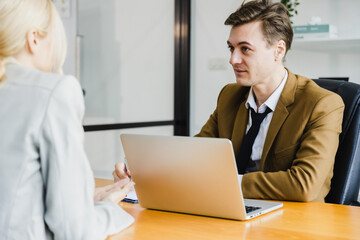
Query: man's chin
243,82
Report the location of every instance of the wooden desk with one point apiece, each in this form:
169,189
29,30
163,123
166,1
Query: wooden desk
293,221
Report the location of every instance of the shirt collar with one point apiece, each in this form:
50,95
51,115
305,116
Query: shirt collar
271,102
10,60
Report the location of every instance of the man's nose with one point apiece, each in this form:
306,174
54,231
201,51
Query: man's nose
235,58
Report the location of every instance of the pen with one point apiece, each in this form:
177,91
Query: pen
127,168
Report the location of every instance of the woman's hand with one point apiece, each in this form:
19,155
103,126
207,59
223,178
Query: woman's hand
121,172
114,192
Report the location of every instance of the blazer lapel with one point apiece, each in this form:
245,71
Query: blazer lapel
280,114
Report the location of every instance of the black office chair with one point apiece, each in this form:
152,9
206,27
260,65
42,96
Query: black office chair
346,180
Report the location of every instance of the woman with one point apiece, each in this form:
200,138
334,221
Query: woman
46,184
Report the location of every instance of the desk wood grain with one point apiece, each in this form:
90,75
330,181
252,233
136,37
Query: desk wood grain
294,221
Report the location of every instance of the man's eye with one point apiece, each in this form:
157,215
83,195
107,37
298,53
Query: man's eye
231,48
245,49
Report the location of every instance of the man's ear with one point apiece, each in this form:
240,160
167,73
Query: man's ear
32,41
280,50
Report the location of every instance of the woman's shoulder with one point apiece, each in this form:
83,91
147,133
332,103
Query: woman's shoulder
27,77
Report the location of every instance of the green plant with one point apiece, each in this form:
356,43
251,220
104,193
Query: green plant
291,6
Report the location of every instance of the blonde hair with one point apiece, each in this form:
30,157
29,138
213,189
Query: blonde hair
17,17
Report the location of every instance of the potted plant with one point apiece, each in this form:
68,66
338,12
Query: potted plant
291,6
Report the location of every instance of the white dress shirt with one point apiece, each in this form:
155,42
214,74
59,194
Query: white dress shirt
264,126
46,184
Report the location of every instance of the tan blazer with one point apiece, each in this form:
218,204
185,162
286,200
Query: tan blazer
300,146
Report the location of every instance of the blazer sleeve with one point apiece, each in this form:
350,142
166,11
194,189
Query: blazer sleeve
211,127
69,183
313,163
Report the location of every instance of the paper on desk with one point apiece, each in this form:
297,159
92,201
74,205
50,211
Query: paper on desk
240,179
132,195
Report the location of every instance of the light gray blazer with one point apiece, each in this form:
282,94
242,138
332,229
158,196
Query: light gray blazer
46,184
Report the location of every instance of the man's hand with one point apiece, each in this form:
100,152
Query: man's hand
121,172
114,192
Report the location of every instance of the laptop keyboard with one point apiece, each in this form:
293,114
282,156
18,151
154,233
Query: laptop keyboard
251,208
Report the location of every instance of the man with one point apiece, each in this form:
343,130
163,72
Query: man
284,128
293,152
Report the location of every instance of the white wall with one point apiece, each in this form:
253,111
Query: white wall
210,69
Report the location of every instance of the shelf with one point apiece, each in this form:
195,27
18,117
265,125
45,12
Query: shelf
347,45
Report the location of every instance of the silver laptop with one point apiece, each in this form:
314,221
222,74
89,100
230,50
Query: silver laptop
189,175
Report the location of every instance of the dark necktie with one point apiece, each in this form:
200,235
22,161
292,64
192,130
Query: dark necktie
244,154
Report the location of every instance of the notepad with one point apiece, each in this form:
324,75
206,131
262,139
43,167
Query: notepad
131,197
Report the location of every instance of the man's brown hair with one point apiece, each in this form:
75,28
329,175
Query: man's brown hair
276,24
